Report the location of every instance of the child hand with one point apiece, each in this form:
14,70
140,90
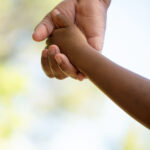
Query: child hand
68,37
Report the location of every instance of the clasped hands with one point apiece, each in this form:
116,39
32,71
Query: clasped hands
90,18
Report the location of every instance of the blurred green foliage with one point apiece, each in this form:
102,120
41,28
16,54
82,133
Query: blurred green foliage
11,83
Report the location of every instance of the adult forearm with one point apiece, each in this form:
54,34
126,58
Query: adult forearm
129,90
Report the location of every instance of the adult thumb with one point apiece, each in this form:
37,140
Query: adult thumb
60,20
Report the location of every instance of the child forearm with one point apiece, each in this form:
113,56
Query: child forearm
129,90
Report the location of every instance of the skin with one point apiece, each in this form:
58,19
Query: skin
127,89
89,16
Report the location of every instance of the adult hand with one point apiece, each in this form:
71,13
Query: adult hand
90,17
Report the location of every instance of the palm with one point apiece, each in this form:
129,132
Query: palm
90,19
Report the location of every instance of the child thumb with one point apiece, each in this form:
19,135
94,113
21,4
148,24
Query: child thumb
59,20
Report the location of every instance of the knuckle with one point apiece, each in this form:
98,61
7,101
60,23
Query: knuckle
47,17
47,21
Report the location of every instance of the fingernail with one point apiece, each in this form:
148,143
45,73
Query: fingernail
59,60
56,12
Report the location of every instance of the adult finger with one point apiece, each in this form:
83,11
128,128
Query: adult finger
67,67
52,51
43,29
45,64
